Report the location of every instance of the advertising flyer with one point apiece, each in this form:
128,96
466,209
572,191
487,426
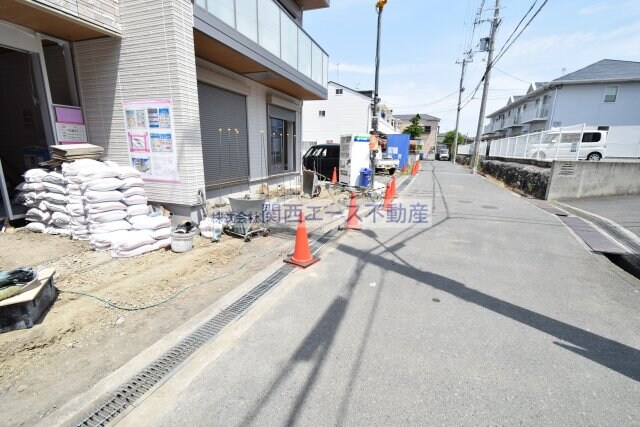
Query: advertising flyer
70,128
150,139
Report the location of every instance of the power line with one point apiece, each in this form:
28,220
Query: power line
517,26
510,75
429,103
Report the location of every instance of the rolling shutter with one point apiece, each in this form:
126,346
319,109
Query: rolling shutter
225,153
281,113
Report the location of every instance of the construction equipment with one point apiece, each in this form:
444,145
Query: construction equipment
246,218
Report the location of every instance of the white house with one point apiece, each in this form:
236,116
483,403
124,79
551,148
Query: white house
346,111
603,96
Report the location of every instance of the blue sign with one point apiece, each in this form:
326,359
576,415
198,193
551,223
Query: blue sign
398,148
362,139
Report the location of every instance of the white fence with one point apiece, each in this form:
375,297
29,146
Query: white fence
467,149
555,144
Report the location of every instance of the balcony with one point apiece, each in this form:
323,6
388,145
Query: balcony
540,113
312,4
258,39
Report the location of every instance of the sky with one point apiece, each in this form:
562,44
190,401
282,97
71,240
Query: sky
423,39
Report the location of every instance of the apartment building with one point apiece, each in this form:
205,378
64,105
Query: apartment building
345,111
204,97
602,96
430,128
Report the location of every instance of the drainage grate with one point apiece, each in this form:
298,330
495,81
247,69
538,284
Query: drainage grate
404,184
124,397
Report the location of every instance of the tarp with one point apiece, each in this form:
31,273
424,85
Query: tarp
398,148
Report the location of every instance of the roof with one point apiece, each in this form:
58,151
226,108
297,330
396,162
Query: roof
423,116
357,92
606,69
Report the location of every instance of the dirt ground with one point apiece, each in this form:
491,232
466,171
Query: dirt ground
81,340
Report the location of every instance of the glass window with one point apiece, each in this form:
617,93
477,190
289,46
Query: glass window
278,147
591,137
321,113
223,10
325,70
247,18
316,74
289,40
59,73
304,53
610,93
269,26
338,91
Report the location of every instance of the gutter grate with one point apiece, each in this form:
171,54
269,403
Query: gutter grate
404,184
125,395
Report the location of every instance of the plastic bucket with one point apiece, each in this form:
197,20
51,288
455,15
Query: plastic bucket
182,242
365,176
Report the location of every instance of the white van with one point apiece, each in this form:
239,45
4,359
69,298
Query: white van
565,145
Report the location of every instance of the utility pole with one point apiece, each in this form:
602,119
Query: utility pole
465,60
485,90
374,121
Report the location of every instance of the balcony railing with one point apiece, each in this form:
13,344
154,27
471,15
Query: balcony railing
267,24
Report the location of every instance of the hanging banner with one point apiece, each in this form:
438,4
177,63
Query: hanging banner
151,139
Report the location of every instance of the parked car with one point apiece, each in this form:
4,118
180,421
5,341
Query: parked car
322,159
592,146
442,153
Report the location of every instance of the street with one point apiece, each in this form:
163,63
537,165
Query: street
495,314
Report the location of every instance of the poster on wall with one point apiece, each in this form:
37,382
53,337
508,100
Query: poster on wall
70,128
151,139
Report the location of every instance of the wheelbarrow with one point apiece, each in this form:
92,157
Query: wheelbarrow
246,218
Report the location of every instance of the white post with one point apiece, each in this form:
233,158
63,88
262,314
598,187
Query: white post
558,144
539,144
515,146
526,145
580,142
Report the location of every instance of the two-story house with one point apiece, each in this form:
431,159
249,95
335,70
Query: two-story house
204,96
430,127
345,111
602,96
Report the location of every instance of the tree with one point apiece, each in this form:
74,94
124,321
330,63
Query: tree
450,136
414,129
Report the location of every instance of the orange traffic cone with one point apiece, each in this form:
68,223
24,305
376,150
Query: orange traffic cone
302,254
417,167
404,168
353,221
413,170
393,188
387,204
334,177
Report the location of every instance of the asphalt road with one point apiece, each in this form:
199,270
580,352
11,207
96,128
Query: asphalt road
624,210
495,314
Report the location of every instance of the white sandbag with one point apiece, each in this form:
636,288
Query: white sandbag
102,241
74,192
54,178
134,252
107,216
106,184
36,227
37,195
128,172
206,228
75,236
34,175
75,209
93,208
97,173
30,203
133,191
41,205
21,197
134,210
55,197
164,243
161,233
54,188
131,182
30,186
150,222
107,227
103,196
135,200
78,220
132,240
60,219
55,207
74,168
36,215
72,199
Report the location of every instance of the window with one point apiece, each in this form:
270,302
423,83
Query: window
605,128
427,129
591,137
610,93
282,139
321,113
338,91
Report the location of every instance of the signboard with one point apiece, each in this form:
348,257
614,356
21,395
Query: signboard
398,148
70,128
151,139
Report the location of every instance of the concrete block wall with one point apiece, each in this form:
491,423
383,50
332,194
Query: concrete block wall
155,59
104,13
576,179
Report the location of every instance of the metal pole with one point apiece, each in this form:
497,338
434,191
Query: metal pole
376,100
454,149
485,90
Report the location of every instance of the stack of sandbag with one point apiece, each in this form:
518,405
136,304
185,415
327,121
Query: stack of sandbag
149,233
55,201
75,205
30,193
103,205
